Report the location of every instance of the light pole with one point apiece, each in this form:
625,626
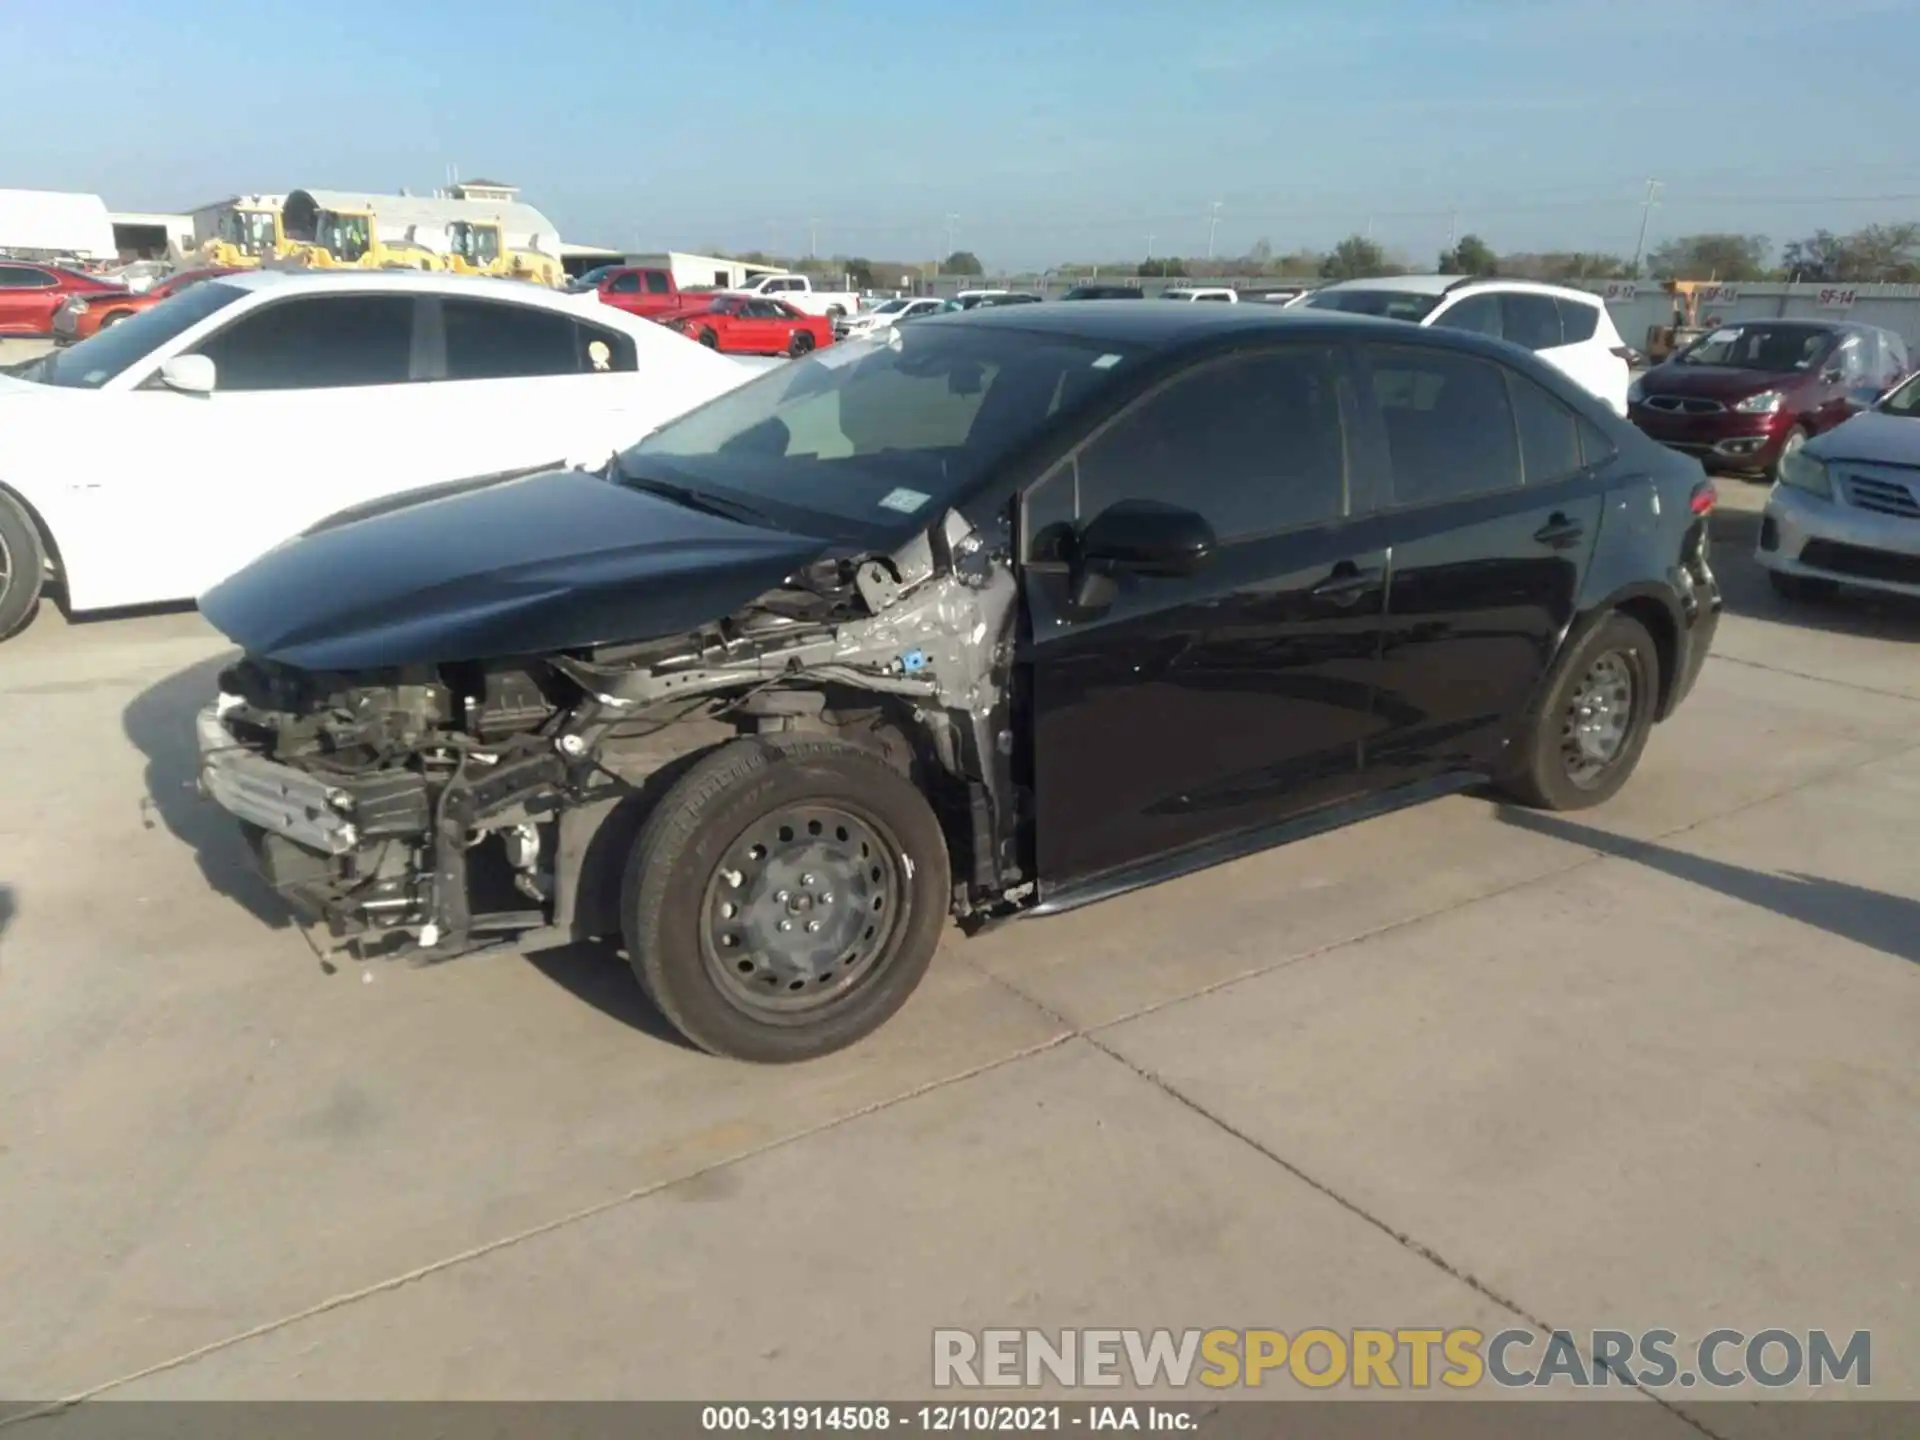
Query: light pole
1213,227
813,239
1646,214
952,220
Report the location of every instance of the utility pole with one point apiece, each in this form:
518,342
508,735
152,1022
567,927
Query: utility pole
1213,226
952,220
1646,214
1149,247
813,239
1453,230
1369,228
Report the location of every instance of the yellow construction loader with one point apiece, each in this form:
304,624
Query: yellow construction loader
245,236
343,239
478,247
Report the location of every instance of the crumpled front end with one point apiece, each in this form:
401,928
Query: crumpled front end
445,807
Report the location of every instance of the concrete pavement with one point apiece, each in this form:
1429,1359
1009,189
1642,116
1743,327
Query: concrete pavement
1649,1066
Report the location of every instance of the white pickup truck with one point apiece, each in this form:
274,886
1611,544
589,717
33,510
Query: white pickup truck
798,291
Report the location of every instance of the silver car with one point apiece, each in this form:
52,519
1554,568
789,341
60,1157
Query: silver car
1846,510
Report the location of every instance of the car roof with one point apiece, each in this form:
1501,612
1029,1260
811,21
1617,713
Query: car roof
1171,327
1446,284
420,282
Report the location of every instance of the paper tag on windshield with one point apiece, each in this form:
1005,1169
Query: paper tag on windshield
1723,337
1106,362
905,501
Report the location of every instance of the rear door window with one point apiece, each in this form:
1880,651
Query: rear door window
1449,424
1578,320
1550,446
317,342
1530,320
488,340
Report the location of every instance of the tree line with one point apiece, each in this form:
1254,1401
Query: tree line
1873,254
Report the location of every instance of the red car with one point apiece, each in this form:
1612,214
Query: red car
81,315
31,292
1751,392
747,325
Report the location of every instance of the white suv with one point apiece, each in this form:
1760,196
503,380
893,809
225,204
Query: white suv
1569,329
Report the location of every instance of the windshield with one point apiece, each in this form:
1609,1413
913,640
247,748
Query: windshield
1386,304
891,307
248,230
875,439
591,279
1776,349
96,360
1904,400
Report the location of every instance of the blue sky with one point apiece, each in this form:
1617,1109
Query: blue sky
1070,129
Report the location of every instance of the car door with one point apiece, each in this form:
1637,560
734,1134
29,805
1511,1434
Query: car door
28,296
762,327
1493,506
511,386
1171,711
311,412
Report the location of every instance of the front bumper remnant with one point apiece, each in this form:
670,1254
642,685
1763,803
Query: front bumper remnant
277,798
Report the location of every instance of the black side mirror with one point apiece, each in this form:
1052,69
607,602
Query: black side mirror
1146,537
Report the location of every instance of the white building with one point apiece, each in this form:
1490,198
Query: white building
55,224
144,235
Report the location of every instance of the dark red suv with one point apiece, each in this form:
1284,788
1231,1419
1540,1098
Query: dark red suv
1751,391
31,292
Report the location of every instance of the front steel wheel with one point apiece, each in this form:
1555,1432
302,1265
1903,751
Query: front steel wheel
801,909
785,897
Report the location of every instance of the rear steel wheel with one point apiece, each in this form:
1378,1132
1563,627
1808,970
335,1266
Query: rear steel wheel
1597,720
1585,737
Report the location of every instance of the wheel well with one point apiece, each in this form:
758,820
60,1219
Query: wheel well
47,542
1658,623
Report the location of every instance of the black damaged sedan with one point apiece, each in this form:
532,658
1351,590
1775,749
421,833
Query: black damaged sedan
1003,613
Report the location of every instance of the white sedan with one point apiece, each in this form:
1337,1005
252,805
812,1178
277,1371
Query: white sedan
147,463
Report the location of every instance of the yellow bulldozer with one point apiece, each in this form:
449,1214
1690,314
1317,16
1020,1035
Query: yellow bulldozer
246,234
327,235
478,247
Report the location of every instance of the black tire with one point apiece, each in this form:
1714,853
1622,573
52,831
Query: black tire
836,312
23,568
1802,588
708,338
694,852
1792,441
799,343
1556,770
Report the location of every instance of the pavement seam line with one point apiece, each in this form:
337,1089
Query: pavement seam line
546,1227
1405,1241
1819,679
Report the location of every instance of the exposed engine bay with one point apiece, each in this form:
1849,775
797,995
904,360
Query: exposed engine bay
453,807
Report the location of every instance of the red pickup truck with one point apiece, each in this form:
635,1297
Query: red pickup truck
642,290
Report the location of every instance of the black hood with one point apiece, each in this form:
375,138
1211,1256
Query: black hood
503,567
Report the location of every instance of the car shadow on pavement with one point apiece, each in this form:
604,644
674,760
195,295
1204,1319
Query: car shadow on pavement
1883,922
594,971
1745,589
159,722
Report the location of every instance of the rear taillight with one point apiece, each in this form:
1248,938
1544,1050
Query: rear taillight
1704,498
